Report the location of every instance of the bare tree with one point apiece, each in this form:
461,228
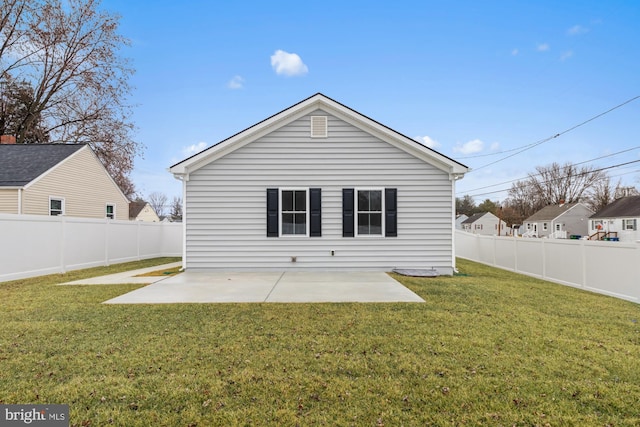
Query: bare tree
158,202
523,201
69,53
601,193
555,184
176,209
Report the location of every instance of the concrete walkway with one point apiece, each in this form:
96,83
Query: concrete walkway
299,287
127,276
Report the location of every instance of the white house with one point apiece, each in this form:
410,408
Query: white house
618,220
319,186
459,220
485,223
558,221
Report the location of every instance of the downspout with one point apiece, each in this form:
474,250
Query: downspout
20,201
184,178
453,177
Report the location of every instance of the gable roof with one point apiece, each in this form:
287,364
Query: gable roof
304,107
473,218
623,207
135,208
22,163
551,212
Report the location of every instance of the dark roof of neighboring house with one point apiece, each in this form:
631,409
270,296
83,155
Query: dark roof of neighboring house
135,208
623,207
550,212
22,163
473,218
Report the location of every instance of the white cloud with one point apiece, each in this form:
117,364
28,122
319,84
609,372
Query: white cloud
576,30
514,52
193,149
542,47
288,64
495,146
471,147
237,82
427,141
566,55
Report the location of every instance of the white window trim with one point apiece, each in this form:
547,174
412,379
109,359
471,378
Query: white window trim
308,212
356,211
545,226
106,214
629,224
62,204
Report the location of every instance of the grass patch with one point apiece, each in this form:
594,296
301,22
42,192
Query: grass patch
165,272
488,348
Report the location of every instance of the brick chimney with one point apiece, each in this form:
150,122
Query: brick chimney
7,139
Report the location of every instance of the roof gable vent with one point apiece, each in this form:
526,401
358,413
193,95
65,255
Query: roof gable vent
319,126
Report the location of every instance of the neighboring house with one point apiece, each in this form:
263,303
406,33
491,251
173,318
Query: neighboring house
142,211
485,223
459,220
618,220
558,221
319,186
58,179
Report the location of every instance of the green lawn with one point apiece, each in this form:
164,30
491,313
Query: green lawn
488,348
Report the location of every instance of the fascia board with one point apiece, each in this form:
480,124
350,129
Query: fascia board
396,139
245,137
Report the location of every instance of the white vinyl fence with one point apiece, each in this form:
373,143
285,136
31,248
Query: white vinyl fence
611,268
34,245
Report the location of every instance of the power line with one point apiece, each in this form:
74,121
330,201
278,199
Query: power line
564,177
576,164
542,141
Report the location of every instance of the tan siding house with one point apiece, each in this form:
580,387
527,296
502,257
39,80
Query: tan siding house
319,187
54,179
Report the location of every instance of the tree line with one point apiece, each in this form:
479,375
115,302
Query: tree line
550,185
63,80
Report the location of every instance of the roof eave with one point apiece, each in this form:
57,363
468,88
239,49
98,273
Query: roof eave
454,168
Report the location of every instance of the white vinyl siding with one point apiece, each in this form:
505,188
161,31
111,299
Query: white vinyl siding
226,203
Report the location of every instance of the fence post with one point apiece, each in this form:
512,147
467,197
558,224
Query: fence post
63,233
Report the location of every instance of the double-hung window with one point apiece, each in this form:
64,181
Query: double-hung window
369,212
110,211
370,207
293,212
629,224
56,206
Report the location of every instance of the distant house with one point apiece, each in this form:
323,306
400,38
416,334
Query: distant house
459,220
485,223
319,186
558,221
618,220
57,179
142,211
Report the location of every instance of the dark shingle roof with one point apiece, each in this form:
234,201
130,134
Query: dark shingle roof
473,218
623,207
135,208
550,212
22,163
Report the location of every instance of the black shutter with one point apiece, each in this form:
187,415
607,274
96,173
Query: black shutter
315,209
272,212
391,212
347,212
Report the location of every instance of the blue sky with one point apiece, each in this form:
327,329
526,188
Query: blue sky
473,79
